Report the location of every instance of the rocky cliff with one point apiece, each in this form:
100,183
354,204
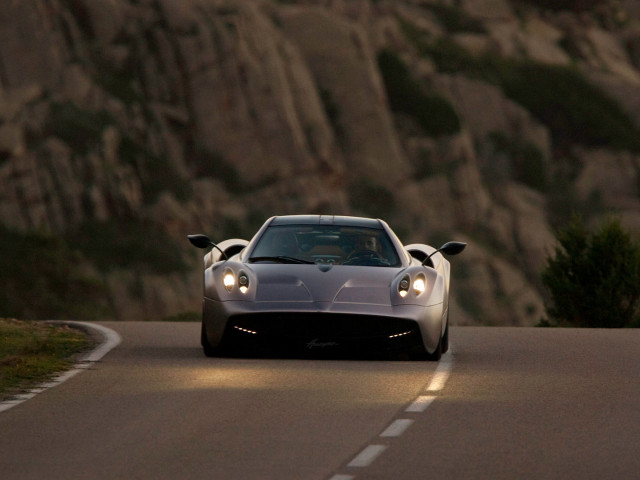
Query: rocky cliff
126,124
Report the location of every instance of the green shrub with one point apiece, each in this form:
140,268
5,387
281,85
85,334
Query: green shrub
126,243
121,81
184,317
574,110
593,279
156,173
210,163
42,278
80,129
454,19
433,113
526,161
571,5
332,110
372,199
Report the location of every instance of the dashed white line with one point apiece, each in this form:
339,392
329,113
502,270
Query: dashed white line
397,427
420,404
440,376
367,456
111,340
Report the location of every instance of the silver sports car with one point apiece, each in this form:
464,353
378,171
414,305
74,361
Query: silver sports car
330,284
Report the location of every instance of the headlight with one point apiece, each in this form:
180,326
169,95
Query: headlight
229,280
419,285
403,286
243,281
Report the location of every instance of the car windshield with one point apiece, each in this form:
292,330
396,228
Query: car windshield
338,245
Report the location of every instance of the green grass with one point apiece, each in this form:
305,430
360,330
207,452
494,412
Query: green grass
32,352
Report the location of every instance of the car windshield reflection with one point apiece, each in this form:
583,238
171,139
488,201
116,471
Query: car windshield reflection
309,244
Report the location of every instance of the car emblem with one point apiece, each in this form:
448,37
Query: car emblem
315,343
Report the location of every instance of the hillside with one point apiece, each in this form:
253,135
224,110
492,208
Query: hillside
127,124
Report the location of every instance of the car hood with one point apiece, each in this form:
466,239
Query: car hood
324,283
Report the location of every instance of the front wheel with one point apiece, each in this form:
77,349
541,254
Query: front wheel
420,353
207,348
445,337
437,353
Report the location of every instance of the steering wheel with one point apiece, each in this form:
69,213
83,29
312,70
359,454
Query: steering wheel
364,253
364,256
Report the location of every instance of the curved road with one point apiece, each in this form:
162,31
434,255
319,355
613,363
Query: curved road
506,403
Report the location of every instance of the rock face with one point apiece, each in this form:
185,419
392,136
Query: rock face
169,118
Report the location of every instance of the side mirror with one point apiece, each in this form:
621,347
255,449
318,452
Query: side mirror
202,241
452,248
449,248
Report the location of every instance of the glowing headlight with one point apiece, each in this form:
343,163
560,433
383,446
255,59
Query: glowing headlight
403,287
243,281
419,285
228,280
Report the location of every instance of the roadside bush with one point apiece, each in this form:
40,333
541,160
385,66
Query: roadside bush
593,278
42,278
125,243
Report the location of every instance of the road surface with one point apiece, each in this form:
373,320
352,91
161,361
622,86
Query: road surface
506,403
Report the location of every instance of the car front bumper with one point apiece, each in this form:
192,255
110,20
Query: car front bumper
326,326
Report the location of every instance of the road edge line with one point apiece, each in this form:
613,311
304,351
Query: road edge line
111,339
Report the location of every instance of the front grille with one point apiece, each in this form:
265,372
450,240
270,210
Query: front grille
326,331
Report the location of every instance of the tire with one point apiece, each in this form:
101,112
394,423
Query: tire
437,353
208,350
420,353
445,337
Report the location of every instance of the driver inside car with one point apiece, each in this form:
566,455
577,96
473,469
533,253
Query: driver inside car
366,246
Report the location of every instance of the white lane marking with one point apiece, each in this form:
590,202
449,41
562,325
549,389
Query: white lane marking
111,340
420,404
397,427
440,376
367,456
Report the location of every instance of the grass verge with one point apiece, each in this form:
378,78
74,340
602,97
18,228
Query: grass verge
33,352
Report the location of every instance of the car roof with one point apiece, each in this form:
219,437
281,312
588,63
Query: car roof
327,220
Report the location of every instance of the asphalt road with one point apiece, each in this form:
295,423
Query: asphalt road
507,403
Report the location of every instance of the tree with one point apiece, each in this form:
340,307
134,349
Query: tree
593,279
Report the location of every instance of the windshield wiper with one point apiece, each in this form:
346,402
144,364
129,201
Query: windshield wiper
280,259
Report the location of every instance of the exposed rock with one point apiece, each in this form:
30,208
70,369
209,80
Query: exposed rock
344,66
210,116
613,180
